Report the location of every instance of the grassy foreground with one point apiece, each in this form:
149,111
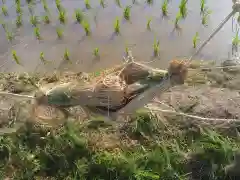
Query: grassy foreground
143,148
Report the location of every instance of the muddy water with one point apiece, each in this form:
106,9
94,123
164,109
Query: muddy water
133,34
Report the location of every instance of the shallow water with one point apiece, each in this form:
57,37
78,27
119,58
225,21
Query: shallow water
134,34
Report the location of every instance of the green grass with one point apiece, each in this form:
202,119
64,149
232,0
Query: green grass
46,19
127,12
156,48
195,40
37,33
87,4
117,25
86,26
34,20
4,10
165,8
93,150
59,32
62,17
79,15
15,57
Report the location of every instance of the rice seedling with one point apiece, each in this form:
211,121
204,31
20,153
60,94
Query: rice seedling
59,32
4,10
15,57
149,24
150,2
62,17
58,5
183,8
236,40
195,40
42,58
165,8
177,19
102,3
205,17
117,26
46,19
3,1
79,15
37,33
118,2
87,4
202,5
126,50
66,56
9,36
127,13
3,25
86,27
18,8
156,48
34,20
45,6
30,8
18,21
96,52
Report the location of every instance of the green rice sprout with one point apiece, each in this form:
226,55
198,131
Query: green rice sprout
156,48
87,4
150,2
15,57
205,17
34,20
3,25
118,2
177,19
195,40
3,1
165,8
66,55
96,52
18,8
45,6
117,26
86,27
58,5
46,19
102,3
202,5
127,13
59,32
183,8
149,24
236,40
4,10
19,21
30,8
238,19
62,17
37,33
126,50
79,15
9,36
42,58
17,1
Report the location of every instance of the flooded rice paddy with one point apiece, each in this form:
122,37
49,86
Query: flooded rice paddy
110,47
